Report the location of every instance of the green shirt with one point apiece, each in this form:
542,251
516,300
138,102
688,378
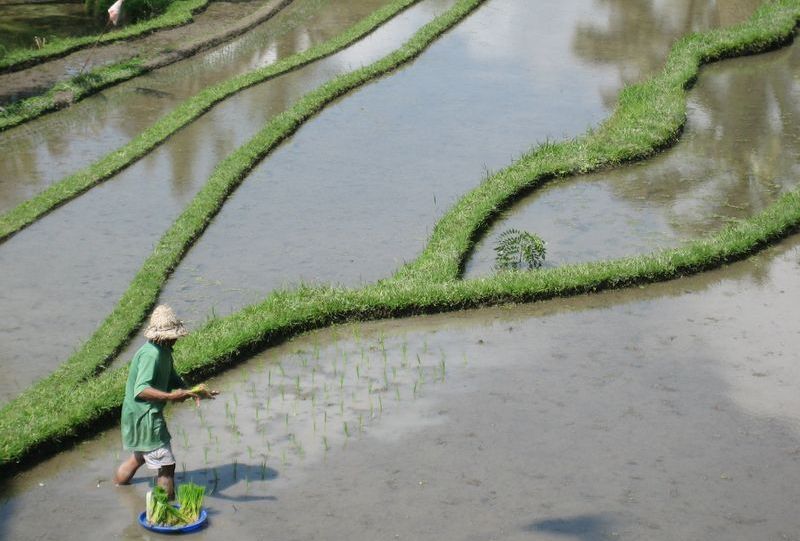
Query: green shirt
143,425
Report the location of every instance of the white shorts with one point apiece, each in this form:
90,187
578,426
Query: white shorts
157,458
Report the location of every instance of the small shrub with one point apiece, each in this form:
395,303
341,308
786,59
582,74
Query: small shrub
519,249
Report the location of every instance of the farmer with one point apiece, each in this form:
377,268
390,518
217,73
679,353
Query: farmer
152,382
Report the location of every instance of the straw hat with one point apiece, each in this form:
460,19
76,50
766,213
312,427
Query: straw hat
164,325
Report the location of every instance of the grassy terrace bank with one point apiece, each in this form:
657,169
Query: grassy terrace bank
73,185
648,117
81,86
178,13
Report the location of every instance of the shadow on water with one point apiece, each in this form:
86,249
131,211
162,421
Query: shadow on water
584,527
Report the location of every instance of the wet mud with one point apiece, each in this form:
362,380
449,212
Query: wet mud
739,152
662,412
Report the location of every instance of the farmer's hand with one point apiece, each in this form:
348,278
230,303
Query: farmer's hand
179,395
202,391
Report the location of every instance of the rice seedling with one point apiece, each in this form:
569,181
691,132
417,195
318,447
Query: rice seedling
263,469
235,469
360,423
346,429
380,405
325,443
205,455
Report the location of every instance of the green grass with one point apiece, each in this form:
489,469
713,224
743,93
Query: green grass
178,13
73,185
648,117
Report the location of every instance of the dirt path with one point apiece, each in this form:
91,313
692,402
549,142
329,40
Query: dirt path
220,22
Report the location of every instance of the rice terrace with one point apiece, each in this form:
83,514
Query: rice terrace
400,269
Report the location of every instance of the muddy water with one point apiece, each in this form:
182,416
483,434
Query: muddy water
355,193
739,152
45,150
64,274
666,412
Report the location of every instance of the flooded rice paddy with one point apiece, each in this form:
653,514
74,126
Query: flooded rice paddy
662,412
303,213
112,228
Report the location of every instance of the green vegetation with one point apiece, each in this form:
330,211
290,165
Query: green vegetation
648,117
73,185
178,13
517,249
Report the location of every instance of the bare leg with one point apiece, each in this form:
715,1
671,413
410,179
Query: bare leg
127,470
166,480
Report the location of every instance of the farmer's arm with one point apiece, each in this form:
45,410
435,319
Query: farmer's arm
152,394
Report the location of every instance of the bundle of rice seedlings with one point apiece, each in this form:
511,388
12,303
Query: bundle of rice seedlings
161,513
190,498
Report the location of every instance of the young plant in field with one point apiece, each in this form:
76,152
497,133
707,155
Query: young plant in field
517,249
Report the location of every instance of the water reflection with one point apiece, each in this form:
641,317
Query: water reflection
739,152
631,36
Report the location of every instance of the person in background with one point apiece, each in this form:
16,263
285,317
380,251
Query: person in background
152,382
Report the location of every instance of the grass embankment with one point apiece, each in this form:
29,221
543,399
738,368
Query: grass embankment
81,86
44,431
73,185
648,117
178,13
